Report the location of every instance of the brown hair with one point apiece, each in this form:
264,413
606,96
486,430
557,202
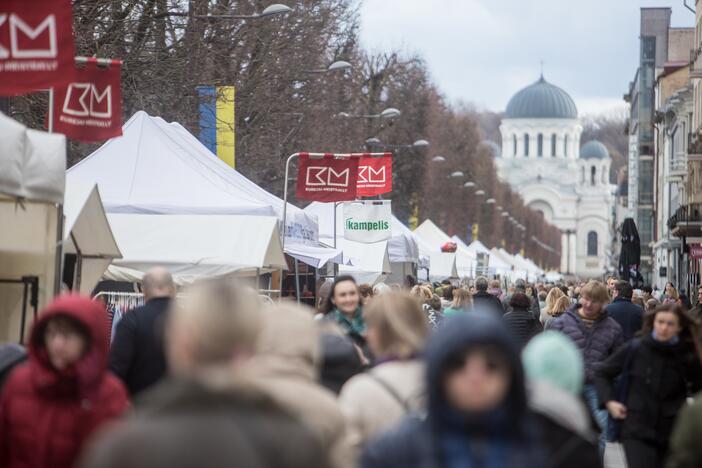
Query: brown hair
401,324
422,293
461,298
561,305
689,329
365,290
596,292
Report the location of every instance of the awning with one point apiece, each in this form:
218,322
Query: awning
370,261
87,234
315,257
195,246
442,266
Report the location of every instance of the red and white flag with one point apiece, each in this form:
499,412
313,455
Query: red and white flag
327,179
374,175
90,107
36,45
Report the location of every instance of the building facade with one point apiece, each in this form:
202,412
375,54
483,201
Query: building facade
542,159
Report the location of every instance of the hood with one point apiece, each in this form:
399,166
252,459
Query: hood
83,377
289,343
461,332
552,357
561,407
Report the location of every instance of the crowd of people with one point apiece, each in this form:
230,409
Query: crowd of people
452,374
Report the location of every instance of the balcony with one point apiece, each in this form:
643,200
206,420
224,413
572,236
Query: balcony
678,165
686,222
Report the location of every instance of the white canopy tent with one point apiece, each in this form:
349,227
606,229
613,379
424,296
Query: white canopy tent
226,244
518,270
158,167
32,178
87,234
371,262
435,238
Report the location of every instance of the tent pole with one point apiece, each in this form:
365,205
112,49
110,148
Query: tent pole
285,198
50,119
297,281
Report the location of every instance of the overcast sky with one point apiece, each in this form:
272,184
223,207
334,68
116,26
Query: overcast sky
483,51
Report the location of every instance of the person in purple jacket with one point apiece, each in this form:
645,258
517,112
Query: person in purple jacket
597,335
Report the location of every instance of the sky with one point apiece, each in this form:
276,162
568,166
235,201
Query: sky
484,51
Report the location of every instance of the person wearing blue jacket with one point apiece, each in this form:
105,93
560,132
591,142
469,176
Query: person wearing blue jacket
627,314
477,412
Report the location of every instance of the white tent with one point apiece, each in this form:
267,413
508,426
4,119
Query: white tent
518,269
225,244
32,177
371,262
87,234
435,237
158,167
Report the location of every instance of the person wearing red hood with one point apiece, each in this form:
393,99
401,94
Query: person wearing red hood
52,403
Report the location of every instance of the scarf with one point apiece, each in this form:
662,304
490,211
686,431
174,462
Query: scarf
477,442
355,325
671,342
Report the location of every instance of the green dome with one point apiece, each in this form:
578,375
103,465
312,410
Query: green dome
593,149
541,100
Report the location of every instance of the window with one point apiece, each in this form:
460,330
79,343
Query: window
592,244
526,144
604,174
582,175
540,145
565,146
514,145
553,145
593,172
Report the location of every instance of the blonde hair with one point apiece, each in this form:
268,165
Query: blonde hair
596,292
400,322
422,292
220,318
561,305
461,298
552,300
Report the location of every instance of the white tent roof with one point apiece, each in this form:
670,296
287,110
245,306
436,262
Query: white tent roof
370,261
225,244
477,247
435,237
402,246
87,231
442,265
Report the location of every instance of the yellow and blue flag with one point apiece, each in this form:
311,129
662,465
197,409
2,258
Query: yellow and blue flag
217,121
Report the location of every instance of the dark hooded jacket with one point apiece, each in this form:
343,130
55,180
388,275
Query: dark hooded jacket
46,415
597,342
502,437
627,314
484,301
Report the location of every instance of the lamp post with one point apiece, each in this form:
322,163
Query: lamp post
389,113
339,65
272,10
376,143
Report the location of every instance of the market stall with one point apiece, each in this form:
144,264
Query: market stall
435,238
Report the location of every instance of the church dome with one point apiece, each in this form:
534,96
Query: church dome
594,149
541,100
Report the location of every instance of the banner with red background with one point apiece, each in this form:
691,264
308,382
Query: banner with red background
374,175
327,179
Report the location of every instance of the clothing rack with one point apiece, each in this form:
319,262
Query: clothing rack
117,304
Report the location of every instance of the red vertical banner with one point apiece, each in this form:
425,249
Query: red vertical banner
90,107
374,175
36,45
327,179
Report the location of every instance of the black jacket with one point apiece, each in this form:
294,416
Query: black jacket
522,325
137,355
627,314
487,302
659,377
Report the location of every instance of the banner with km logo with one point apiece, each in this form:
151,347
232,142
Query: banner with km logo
368,221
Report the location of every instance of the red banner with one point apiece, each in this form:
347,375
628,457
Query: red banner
327,179
696,251
90,108
36,45
374,175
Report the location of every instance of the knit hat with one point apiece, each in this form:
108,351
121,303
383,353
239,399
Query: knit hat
552,357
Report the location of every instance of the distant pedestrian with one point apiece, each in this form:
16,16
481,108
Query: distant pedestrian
343,307
627,314
483,300
696,312
559,308
553,295
53,403
670,294
461,303
366,292
520,320
422,293
477,405
137,355
376,400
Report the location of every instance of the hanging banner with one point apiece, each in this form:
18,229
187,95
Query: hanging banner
368,221
217,121
326,179
36,45
90,107
374,175
696,251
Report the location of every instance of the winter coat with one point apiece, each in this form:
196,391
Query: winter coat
685,447
183,423
547,318
137,355
533,308
627,314
378,399
429,442
285,368
46,415
487,302
596,342
10,356
523,325
341,360
566,427
659,376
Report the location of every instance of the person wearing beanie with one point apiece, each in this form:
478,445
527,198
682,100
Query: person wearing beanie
554,371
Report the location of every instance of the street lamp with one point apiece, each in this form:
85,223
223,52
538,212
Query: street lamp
419,144
505,214
456,174
498,208
339,65
480,193
438,159
469,184
490,201
272,10
389,113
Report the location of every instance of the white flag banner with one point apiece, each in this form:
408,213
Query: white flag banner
368,221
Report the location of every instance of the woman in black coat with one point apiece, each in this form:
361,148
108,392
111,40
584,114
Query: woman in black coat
659,371
520,320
